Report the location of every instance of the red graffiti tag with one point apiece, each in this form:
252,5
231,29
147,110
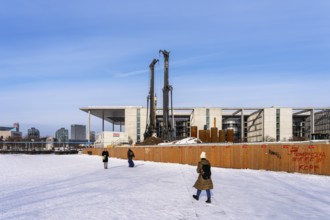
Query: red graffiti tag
308,167
294,149
308,161
316,157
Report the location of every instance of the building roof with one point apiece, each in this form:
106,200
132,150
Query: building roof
6,128
113,114
116,114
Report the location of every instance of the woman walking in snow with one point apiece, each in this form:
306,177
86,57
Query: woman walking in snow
105,155
204,181
130,155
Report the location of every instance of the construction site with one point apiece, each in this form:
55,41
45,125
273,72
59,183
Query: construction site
269,138
164,124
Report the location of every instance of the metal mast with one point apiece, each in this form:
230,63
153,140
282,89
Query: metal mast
150,130
167,128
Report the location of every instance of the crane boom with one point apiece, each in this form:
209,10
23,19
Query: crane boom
150,130
167,129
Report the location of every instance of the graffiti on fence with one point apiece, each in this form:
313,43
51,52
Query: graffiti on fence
294,149
277,154
316,157
308,161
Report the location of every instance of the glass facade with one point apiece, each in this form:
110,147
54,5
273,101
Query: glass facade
62,135
78,132
322,122
33,133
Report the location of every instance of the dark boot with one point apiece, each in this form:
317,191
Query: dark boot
195,197
208,200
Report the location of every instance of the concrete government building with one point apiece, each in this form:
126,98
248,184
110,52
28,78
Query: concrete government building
249,124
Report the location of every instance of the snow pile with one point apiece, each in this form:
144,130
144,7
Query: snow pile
189,140
77,187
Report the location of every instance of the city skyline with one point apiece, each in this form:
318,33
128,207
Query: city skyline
59,56
26,133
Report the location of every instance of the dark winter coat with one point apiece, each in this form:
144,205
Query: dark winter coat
105,155
201,183
130,154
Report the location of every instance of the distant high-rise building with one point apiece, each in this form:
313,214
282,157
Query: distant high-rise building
92,136
16,125
33,133
78,132
62,135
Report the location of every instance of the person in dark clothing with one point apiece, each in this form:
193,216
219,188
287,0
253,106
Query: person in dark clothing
105,155
203,183
130,155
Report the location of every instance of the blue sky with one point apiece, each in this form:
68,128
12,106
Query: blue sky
58,56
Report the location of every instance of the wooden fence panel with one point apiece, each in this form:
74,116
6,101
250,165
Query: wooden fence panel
253,157
274,157
176,155
321,159
157,154
166,154
227,157
213,156
324,159
236,157
292,163
123,153
138,152
302,165
185,155
149,154
302,158
285,158
263,161
244,156
218,151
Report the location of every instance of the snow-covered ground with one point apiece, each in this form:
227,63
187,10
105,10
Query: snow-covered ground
77,187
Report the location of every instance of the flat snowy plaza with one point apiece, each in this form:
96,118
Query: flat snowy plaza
78,187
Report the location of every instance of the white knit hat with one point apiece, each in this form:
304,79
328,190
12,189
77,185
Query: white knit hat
203,155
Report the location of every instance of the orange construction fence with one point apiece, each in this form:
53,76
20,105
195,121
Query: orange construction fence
301,158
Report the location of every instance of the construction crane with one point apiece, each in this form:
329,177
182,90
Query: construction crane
151,100
167,128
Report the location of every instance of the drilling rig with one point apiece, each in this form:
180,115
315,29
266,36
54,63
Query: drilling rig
151,100
167,128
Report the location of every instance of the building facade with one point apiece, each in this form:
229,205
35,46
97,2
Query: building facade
33,133
248,124
7,133
270,124
78,132
62,135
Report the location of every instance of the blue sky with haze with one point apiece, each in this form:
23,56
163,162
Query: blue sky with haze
58,56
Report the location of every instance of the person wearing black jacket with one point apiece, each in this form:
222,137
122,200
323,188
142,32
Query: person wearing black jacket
130,155
105,155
